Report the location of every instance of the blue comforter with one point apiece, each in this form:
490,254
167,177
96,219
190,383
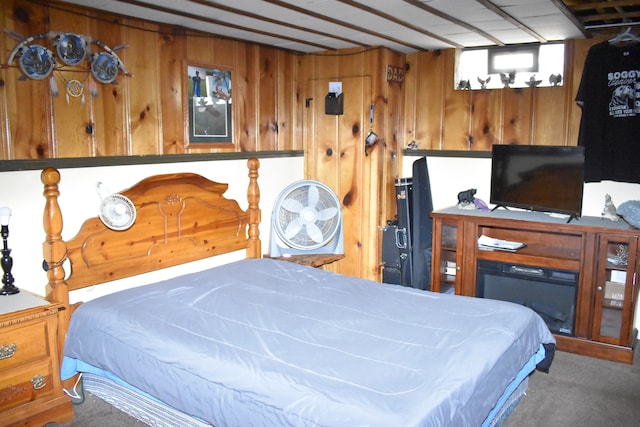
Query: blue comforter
264,343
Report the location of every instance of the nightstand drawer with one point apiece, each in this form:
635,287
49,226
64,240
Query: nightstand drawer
25,385
23,343
31,393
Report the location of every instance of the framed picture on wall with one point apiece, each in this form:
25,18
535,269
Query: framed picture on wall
209,106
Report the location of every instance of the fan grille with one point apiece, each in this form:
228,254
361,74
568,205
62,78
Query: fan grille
307,215
117,212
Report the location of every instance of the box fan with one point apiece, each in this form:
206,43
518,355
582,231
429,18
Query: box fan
306,219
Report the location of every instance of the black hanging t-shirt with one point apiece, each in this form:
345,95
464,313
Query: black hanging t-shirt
609,95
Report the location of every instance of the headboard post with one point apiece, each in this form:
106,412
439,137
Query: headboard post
54,249
253,197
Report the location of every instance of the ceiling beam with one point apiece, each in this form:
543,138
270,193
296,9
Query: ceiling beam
399,22
622,17
221,23
575,21
582,5
598,15
342,23
263,18
454,20
507,17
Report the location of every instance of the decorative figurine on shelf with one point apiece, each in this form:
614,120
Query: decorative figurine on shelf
464,85
466,199
622,255
508,79
609,211
7,263
483,83
555,79
532,82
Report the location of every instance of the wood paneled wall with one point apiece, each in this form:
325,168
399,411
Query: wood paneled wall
278,105
437,117
335,153
144,113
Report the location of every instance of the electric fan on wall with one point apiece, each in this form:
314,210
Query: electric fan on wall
306,219
116,211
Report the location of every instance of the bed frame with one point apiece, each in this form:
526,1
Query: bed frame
181,217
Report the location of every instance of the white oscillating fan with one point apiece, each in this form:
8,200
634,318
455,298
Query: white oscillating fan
116,211
306,219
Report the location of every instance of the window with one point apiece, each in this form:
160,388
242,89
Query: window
510,66
513,59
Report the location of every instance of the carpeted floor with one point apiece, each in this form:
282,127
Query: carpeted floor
581,391
578,391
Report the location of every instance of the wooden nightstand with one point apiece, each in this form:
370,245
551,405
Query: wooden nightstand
30,387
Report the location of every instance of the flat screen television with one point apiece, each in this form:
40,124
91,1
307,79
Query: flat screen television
538,177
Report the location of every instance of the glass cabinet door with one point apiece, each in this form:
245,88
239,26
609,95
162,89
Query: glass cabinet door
615,289
448,272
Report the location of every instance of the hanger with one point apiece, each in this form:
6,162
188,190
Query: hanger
625,36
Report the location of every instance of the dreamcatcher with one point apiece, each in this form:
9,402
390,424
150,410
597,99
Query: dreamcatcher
75,89
39,62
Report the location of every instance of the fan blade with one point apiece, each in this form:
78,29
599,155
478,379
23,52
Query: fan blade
328,213
120,220
314,233
292,205
314,196
293,228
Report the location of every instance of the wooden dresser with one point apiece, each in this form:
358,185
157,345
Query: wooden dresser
30,388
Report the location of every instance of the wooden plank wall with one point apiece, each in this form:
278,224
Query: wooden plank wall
145,114
362,177
142,114
437,117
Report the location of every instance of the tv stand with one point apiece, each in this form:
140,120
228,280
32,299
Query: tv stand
603,254
571,216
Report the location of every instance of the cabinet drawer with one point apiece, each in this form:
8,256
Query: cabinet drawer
539,243
25,385
23,343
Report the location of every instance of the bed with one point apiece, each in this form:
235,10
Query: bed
264,342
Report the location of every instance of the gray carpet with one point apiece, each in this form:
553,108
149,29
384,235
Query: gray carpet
578,391
581,391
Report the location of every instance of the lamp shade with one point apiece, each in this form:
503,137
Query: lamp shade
5,214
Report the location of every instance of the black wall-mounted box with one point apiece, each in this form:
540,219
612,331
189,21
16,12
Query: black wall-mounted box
334,104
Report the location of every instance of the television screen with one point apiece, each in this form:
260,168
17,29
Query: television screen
538,177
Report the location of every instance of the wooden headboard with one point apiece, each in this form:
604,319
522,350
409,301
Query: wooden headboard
181,217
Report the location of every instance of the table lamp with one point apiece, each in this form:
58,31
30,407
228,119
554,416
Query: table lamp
8,287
